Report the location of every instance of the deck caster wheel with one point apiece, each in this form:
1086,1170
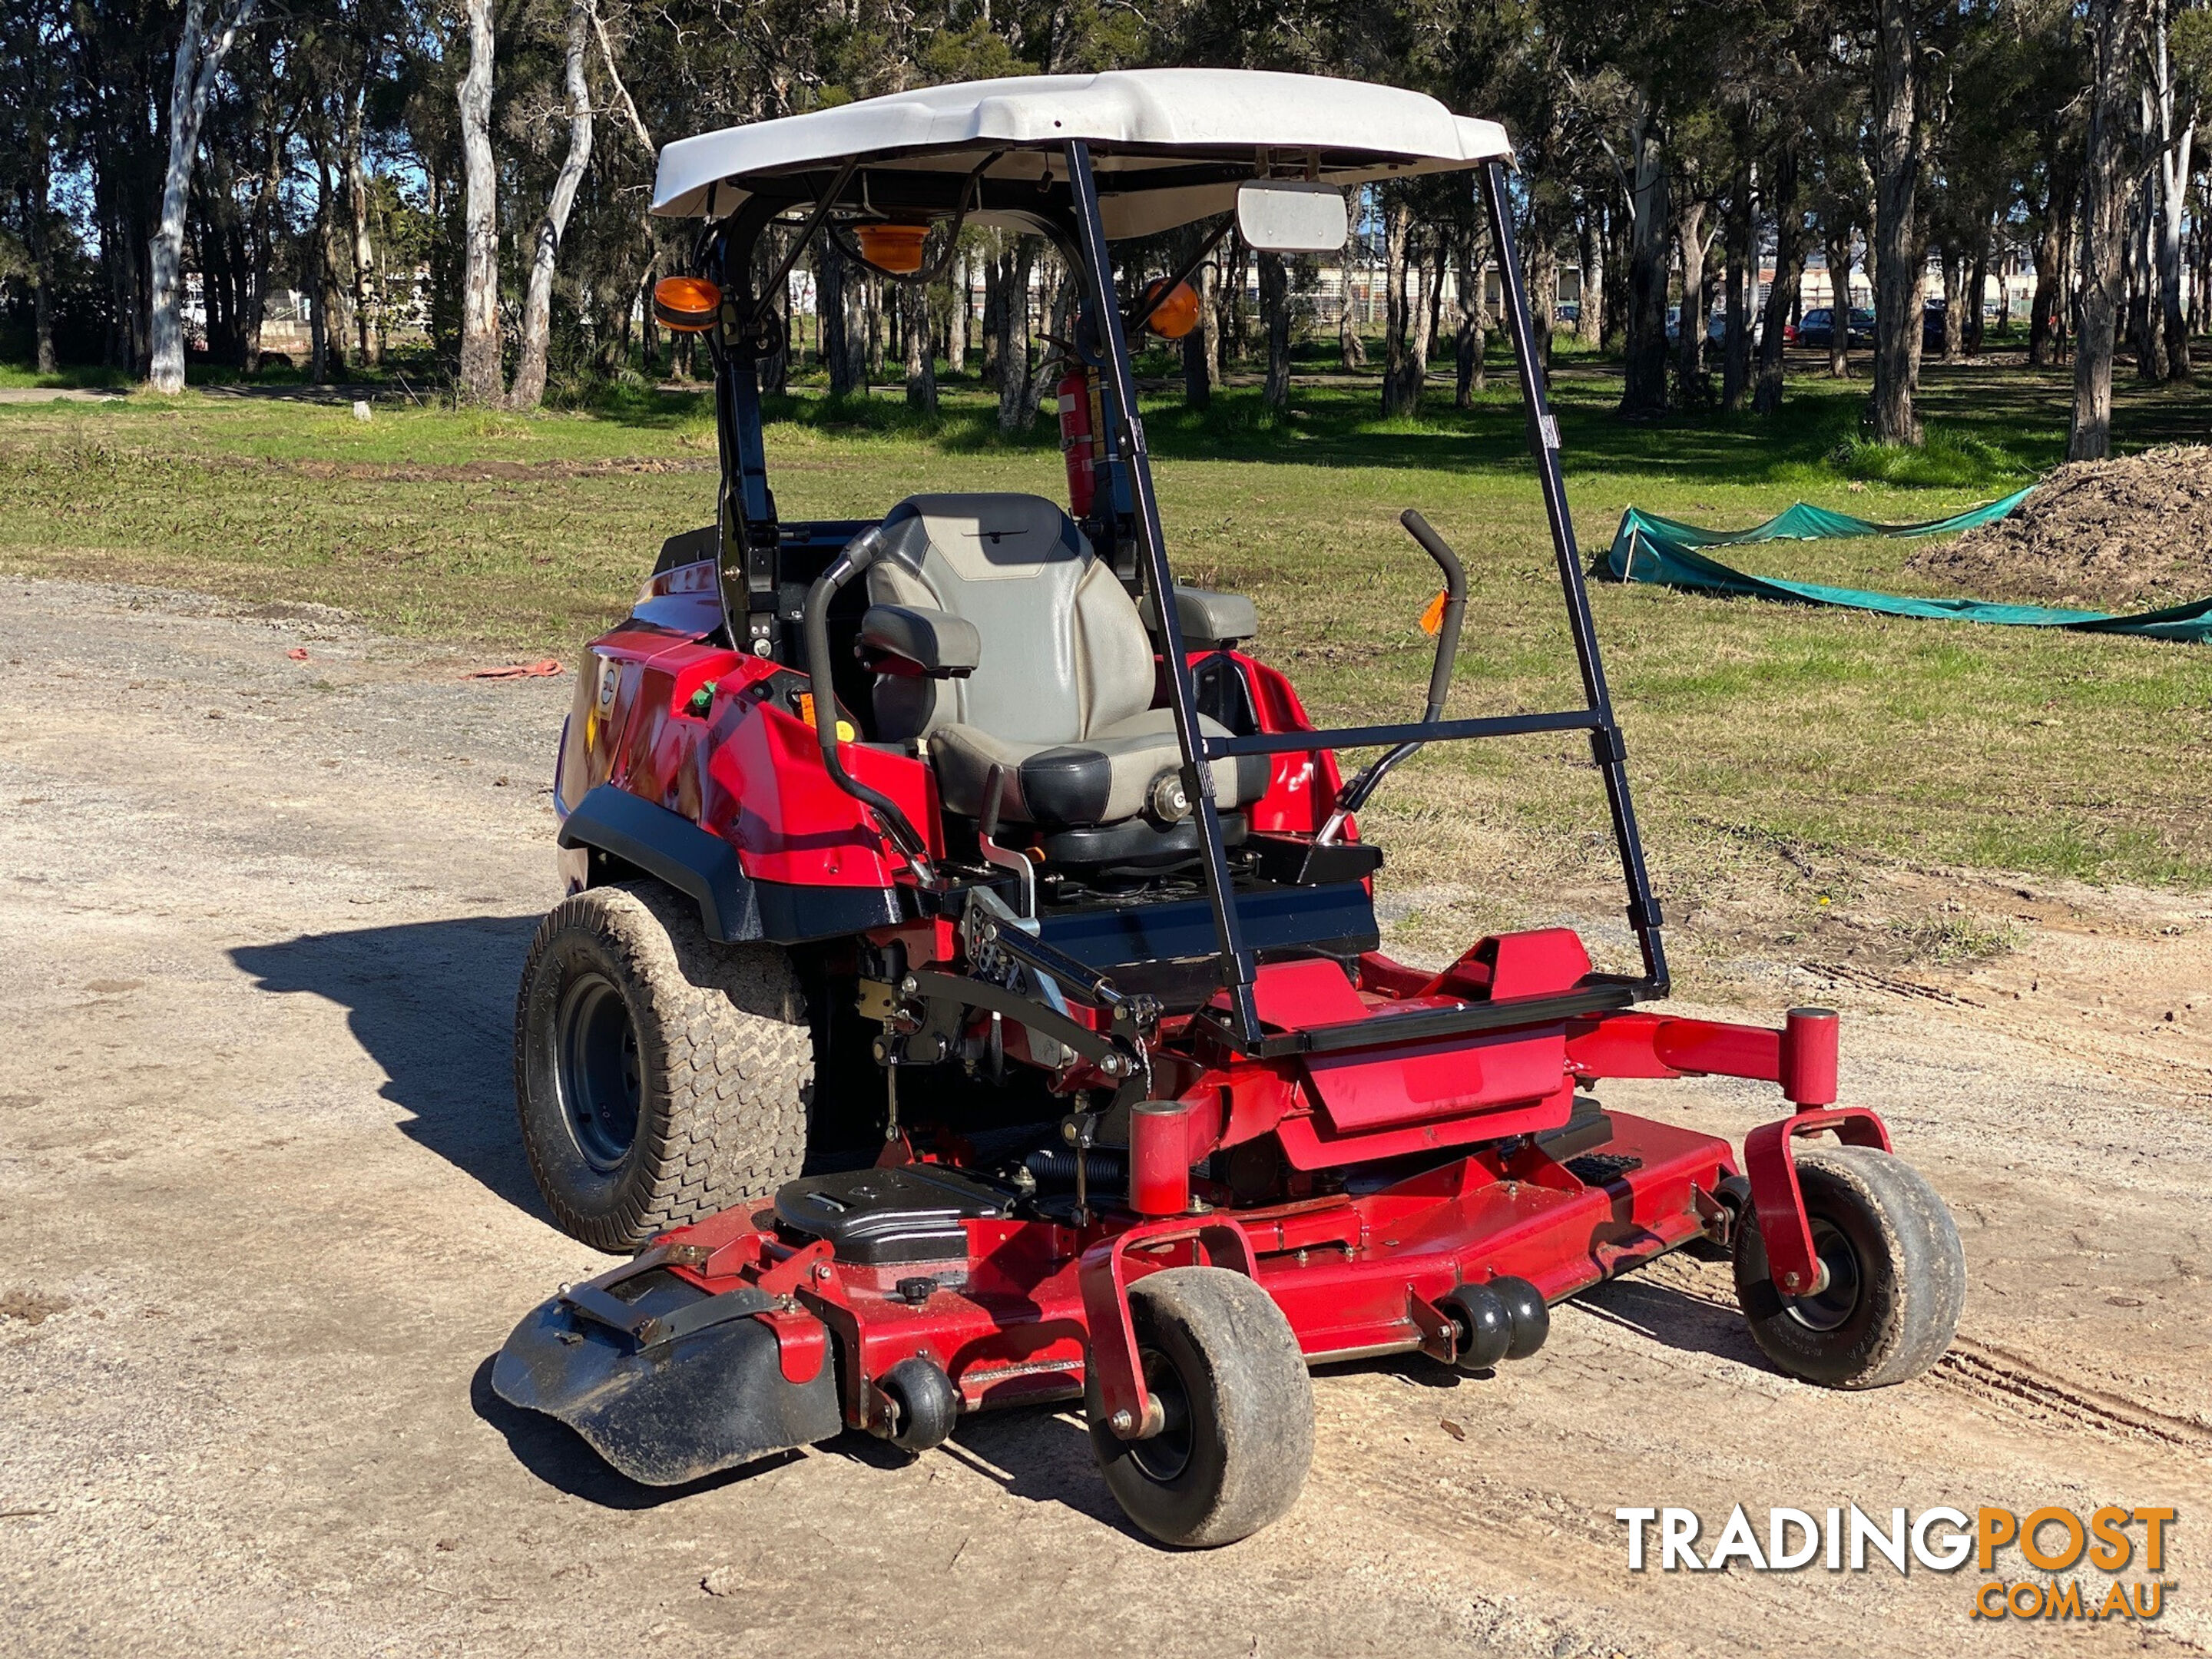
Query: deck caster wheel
1896,1276
1531,1319
1486,1328
928,1404
1220,1358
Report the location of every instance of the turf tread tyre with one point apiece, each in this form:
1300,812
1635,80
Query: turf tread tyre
1912,1274
725,1055
1251,1410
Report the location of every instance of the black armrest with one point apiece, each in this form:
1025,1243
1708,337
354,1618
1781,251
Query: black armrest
936,642
1210,620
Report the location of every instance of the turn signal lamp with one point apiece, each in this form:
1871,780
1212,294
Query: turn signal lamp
894,248
1175,316
686,305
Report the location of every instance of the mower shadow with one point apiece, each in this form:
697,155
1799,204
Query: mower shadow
1674,1318
432,1003
556,1454
1041,1454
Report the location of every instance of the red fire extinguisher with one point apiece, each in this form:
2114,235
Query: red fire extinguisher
1078,438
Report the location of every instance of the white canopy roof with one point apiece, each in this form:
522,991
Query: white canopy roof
1350,131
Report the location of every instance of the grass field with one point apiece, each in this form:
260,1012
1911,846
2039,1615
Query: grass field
1785,758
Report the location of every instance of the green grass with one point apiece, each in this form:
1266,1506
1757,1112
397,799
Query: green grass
1782,756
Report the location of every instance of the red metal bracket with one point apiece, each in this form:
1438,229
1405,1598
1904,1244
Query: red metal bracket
1131,1411
1770,1166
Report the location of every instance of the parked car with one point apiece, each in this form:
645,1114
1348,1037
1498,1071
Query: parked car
1568,311
1715,326
1931,328
1819,325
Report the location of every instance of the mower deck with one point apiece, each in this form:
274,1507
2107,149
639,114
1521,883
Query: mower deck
1002,1302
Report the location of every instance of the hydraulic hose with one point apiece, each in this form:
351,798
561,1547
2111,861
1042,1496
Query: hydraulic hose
857,555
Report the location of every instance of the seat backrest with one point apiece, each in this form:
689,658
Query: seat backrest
1065,653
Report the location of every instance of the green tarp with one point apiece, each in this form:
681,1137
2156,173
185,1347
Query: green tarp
1649,549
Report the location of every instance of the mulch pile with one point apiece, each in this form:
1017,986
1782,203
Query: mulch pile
2134,534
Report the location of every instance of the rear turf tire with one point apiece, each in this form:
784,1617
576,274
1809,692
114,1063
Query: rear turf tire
1220,1357
1897,1276
659,1076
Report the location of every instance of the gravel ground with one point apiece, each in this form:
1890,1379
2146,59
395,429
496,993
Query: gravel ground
263,1221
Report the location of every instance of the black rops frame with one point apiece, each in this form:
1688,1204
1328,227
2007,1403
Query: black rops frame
1238,969
749,528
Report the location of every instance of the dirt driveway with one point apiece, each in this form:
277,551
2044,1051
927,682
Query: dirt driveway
262,1221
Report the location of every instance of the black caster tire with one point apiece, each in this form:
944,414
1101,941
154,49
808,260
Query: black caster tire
658,1076
1897,1276
928,1404
1220,1358
1485,1328
1525,1309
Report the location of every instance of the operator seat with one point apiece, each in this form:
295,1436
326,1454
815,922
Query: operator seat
1061,688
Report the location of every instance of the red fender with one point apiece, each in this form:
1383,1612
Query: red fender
1770,1166
1131,1411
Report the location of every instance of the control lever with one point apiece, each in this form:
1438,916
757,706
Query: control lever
1003,857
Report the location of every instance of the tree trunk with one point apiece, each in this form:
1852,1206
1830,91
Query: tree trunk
1644,390
1540,260
1897,186
2172,180
262,229
871,294
921,360
1590,261
1197,373
545,246
2143,322
1016,394
2043,306
955,326
1789,273
1397,309
1690,332
1954,306
1275,312
829,318
1978,284
1839,299
200,52
367,324
37,227
1472,346
1740,285
483,375
2104,222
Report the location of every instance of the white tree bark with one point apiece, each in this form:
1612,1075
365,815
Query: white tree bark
481,374
200,50
367,308
545,251
2176,137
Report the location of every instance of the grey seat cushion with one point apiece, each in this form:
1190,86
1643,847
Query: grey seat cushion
1062,689
1099,779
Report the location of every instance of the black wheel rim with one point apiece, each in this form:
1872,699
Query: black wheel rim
1165,1455
1829,1307
598,1071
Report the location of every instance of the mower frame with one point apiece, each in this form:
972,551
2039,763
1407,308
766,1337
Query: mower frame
1436,1166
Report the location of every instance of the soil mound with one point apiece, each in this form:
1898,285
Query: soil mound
2132,534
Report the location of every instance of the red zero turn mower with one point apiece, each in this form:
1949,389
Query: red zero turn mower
968,993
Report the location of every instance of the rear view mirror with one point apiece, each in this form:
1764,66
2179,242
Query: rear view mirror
1289,216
